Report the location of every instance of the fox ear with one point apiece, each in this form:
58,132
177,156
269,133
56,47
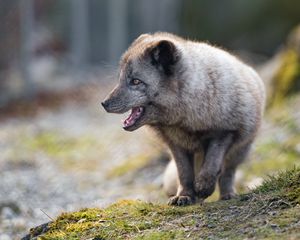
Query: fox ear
164,54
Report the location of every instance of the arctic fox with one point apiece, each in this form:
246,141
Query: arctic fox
203,102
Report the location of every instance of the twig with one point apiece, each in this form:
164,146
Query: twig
46,214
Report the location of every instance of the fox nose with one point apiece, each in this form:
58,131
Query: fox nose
104,104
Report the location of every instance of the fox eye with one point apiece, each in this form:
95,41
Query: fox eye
135,81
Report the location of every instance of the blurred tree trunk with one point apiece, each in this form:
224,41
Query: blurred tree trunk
117,28
27,26
79,34
167,18
158,15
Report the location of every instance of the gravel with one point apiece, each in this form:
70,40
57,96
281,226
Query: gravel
35,186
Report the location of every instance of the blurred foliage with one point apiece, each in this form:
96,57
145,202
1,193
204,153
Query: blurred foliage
286,79
130,165
278,145
257,26
69,152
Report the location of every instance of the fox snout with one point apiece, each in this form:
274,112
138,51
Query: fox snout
115,102
113,106
112,103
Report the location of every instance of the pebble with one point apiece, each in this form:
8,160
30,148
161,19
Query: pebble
273,225
211,225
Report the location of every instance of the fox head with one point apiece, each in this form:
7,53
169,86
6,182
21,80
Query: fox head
148,83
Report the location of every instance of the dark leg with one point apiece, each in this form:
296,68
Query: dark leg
226,180
226,183
185,192
206,179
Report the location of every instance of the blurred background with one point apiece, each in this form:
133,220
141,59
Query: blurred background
59,151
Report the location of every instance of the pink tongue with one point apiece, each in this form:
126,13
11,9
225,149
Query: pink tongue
134,115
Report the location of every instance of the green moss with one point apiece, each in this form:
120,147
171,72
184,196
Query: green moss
287,217
118,221
57,145
286,184
281,181
278,149
269,212
270,156
282,115
68,151
287,76
173,234
131,164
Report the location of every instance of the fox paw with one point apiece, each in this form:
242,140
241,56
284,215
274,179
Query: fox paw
228,196
181,200
205,185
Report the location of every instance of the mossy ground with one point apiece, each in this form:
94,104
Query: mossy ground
271,211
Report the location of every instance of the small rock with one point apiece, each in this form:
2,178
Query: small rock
273,213
273,225
210,225
81,220
232,207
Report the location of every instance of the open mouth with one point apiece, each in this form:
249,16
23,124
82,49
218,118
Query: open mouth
135,115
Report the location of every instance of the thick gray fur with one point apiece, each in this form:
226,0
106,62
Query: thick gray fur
203,102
